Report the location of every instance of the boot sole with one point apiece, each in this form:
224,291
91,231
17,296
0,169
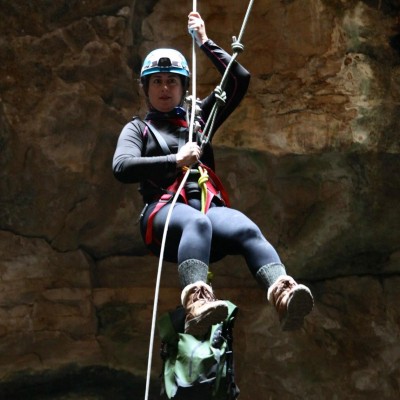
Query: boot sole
298,307
200,325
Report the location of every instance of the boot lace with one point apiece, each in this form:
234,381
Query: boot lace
282,291
204,294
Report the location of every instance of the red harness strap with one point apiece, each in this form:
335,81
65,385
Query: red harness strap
163,200
214,188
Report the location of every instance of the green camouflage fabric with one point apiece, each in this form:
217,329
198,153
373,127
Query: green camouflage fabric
197,363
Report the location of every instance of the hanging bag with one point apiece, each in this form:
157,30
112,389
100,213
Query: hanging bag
197,368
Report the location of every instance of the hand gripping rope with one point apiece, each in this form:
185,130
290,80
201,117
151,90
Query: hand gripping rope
205,137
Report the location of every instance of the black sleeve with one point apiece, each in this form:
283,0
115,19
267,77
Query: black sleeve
236,86
129,166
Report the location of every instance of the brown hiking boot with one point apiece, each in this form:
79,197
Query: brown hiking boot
292,301
202,308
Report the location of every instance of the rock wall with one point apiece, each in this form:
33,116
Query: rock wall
312,155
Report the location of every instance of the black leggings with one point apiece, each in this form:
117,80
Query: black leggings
209,237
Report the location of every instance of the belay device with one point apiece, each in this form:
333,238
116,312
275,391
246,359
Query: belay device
197,368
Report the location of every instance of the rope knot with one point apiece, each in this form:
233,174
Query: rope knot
237,47
220,96
203,186
203,176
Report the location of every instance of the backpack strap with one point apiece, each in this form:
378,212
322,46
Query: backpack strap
156,135
161,141
233,390
158,138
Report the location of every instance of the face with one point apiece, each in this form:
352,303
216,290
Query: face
165,91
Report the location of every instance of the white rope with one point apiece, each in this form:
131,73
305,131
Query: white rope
156,295
237,48
164,238
194,82
182,184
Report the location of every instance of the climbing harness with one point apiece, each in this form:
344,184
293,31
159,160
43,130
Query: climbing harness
205,137
210,185
208,182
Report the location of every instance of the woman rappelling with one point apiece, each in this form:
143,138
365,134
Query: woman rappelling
157,151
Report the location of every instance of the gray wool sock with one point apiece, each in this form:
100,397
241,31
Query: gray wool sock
191,271
269,273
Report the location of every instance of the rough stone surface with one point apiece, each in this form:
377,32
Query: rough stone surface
312,155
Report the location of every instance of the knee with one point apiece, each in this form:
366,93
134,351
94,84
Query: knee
200,224
249,232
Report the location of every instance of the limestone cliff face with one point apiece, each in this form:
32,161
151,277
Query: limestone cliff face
312,155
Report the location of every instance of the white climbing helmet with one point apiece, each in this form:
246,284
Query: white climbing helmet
165,60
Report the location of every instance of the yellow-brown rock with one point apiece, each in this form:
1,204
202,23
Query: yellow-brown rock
312,155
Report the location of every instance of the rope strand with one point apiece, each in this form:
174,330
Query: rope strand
220,97
194,83
164,238
158,280
237,48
